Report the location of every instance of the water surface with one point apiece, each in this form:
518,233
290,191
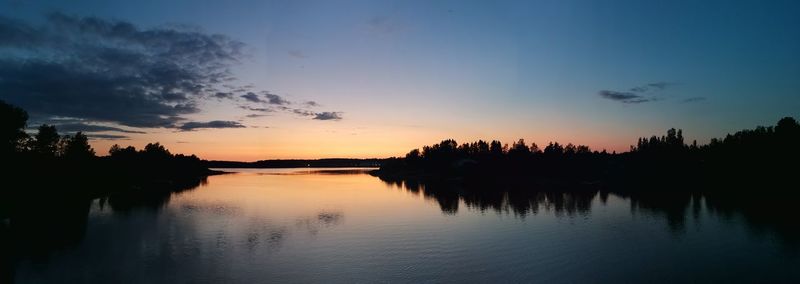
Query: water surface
312,225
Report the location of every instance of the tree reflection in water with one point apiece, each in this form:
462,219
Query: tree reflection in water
762,214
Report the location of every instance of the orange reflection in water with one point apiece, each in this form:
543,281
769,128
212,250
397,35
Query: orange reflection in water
302,194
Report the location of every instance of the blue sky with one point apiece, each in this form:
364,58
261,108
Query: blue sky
406,73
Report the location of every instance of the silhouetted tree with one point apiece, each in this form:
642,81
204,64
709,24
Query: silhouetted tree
519,149
46,141
553,149
78,148
156,151
13,121
570,149
119,153
787,125
535,149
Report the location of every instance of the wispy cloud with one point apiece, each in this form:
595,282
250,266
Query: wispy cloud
274,103
107,137
636,95
618,96
258,109
189,126
83,127
693,99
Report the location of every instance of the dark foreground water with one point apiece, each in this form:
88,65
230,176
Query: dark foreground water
290,225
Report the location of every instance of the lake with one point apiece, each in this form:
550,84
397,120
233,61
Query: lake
342,225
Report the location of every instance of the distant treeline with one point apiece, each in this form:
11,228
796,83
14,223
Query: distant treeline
297,163
762,155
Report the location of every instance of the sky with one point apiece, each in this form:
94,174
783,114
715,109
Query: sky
253,80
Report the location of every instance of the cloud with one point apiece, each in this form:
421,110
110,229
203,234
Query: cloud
618,96
223,95
269,98
693,99
328,116
189,126
649,87
252,97
636,95
114,74
83,127
274,99
660,85
625,97
111,71
259,109
311,104
107,137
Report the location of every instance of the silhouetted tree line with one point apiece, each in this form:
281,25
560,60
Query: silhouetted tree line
66,165
762,155
496,160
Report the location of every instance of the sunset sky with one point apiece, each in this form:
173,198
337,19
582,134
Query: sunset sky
251,80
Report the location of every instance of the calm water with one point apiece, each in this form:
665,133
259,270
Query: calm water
290,225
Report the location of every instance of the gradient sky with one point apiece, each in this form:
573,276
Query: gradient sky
390,76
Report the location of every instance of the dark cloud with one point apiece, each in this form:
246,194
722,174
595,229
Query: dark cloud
189,126
83,127
693,99
223,95
254,115
252,97
625,97
107,137
269,98
311,104
274,99
328,116
111,71
636,95
619,96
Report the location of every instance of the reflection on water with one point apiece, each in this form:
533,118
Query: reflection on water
762,214
314,225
